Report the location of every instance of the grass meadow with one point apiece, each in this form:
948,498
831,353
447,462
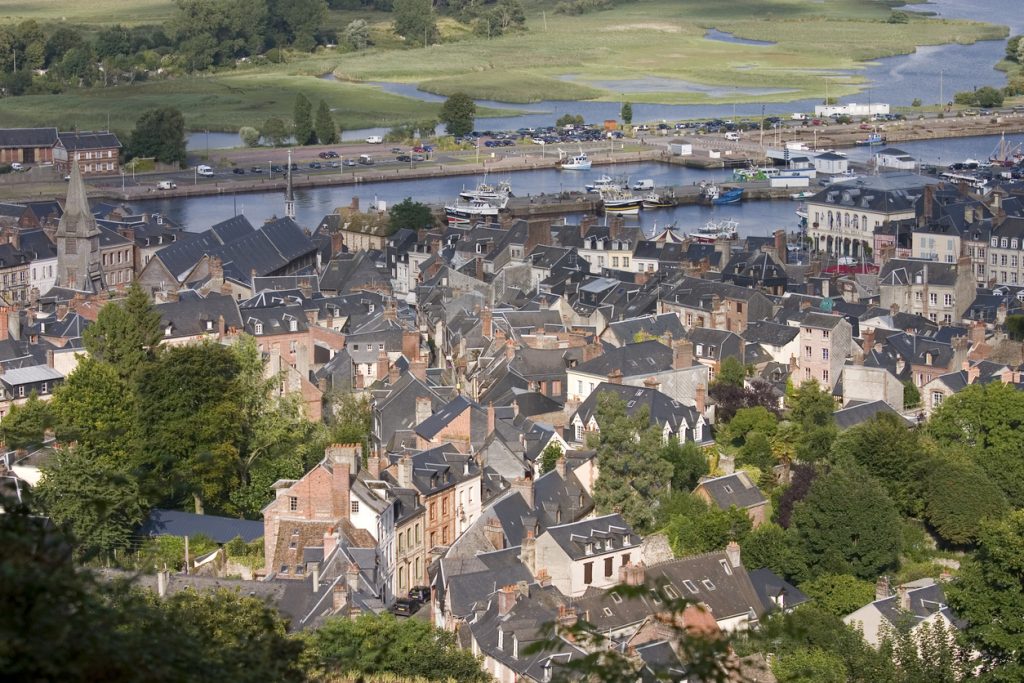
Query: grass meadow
88,12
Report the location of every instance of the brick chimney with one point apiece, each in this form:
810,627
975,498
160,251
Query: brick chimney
868,340
495,536
615,376
560,466
382,365
632,574
904,594
510,349
682,354
973,372
592,350
700,399
567,616
393,375
424,408
373,466
411,344
418,368
732,551
977,333
486,323
652,383
882,590
405,472
524,485
781,252
490,417
528,552
506,599
538,231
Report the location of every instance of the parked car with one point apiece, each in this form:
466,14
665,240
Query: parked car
420,593
418,157
256,169
166,185
315,164
349,162
403,157
366,159
335,164
396,150
238,170
405,607
17,166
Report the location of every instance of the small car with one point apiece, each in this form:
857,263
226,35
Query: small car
403,157
256,169
420,593
405,607
315,164
238,170
349,162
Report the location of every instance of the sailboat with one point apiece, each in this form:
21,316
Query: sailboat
1004,154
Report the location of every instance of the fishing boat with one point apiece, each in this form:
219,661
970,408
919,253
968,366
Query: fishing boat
713,232
732,196
491,193
472,211
709,191
1006,155
577,162
605,182
872,139
659,200
621,202
800,196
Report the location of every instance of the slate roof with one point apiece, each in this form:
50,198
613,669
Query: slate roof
903,272
264,251
441,418
27,137
181,256
625,331
574,538
662,409
926,597
856,414
74,141
161,522
189,317
770,333
773,589
733,489
643,358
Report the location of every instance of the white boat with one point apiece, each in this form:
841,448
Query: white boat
578,162
659,200
473,210
621,202
713,232
800,196
605,182
491,193
709,191
801,211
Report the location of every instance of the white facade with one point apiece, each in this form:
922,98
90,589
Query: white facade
467,504
570,576
42,274
894,158
832,166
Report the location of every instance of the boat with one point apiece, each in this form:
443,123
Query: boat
659,200
605,182
713,232
844,177
473,210
1006,155
489,192
761,173
800,196
578,162
873,139
709,191
732,196
801,211
621,202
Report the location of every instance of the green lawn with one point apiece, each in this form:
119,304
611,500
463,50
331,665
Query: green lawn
88,12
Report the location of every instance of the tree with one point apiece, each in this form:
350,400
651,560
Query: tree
988,97
97,503
987,419
770,546
296,22
64,39
627,113
112,41
415,21
549,457
410,214
25,426
631,474
95,407
811,406
303,121
326,130
746,420
696,527
839,594
372,645
802,476
928,654
218,31
911,396
357,34
126,334
957,495
688,462
731,372
458,114
569,120
160,134
989,596
845,525
250,136
809,665
274,131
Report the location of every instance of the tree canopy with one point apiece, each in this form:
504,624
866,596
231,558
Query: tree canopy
160,134
410,214
302,121
415,21
458,114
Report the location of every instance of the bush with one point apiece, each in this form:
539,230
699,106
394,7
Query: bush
576,7
916,102
250,136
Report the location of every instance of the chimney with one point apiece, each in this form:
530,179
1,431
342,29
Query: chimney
700,399
487,323
977,333
340,482
727,463
330,542
373,466
316,577
411,344
418,368
615,376
390,310
528,552
615,226
393,375
49,358
567,616
510,349
382,365
524,485
560,466
423,408
868,340
904,594
339,597
592,350
490,417
652,383
781,252
405,472
538,231
495,536
732,551
973,373
882,588
632,574
352,577
506,599
682,354
337,243
929,199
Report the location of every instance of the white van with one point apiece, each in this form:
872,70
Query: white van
799,117
732,135
204,171
375,140
17,166
166,185
645,184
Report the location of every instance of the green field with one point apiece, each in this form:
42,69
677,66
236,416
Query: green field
604,54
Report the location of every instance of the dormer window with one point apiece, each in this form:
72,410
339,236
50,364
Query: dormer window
258,328
209,325
1002,243
995,241
293,325
1013,243
167,331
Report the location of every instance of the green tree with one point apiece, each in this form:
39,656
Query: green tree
458,114
375,645
845,525
249,136
326,130
126,334
957,496
357,34
989,595
811,406
113,40
801,478
987,419
631,474
746,420
410,214
1015,327
160,134
95,407
296,22
549,457
627,113
414,20
911,396
274,131
569,120
65,39
810,665
758,452
839,594
928,654
732,372
688,462
303,121
218,31
696,527
770,546
25,426
988,97
98,504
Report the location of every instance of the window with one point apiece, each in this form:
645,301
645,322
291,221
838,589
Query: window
937,397
293,503
444,536
21,392
725,567
824,354
947,300
994,261
807,373
417,533
1002,243
707,584
380,347
433,538
690,586
625,559
824,334
1002,259
671,592
433,513
579,432
608,566
444,506
700,349
808,352
401,541
293,346
416,575
258,328
588,573
625,262
933,298
739,306
355,507
824,375
401,577
615,261
45,388
616,598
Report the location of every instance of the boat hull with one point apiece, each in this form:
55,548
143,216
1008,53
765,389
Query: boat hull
624,208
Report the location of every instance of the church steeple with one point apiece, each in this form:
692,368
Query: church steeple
78,239
289,196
